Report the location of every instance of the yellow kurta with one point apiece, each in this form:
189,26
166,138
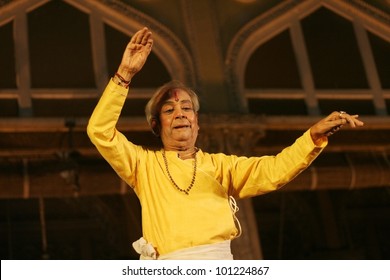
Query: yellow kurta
172,220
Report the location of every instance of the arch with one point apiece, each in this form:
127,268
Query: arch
128,20
286,16
168,47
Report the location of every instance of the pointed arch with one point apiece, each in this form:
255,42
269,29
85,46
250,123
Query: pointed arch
128,20
169,54
287,16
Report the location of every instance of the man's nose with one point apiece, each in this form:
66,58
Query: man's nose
180,115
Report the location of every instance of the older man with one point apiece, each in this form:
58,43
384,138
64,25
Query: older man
187,195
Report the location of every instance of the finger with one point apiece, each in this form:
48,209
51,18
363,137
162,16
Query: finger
134,38
137,37
149,44
357,122
333,130
336,115
347,118
333,116
350,120
145,38
353,120
336,122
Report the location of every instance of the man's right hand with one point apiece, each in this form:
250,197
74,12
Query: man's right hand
136,53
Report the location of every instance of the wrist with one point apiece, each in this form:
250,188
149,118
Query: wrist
120,80
125,72
317,139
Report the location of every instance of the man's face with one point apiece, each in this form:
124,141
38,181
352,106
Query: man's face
179,121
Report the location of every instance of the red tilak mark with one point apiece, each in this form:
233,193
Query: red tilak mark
176,95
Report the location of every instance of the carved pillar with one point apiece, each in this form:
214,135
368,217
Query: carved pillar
236,134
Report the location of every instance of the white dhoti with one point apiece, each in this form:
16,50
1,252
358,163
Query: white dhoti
216,251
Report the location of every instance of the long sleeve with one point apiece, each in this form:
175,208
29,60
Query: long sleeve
111,143
259,175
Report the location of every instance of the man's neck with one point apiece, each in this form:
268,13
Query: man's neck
183,152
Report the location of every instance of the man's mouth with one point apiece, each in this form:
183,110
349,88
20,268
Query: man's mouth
181,126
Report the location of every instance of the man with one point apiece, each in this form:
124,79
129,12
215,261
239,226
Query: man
187,195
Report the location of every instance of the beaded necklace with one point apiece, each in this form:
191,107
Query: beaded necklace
187,190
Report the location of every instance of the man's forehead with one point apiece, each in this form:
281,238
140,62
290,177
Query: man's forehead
178,95
172,102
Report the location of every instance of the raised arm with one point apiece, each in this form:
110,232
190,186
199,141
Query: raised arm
107,111
134,56
101,128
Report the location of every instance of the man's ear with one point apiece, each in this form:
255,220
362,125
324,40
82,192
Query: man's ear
197,120
155,124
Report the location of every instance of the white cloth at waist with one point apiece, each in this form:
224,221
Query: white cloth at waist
216,251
